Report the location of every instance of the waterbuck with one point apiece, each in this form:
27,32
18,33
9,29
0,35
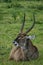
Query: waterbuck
24,49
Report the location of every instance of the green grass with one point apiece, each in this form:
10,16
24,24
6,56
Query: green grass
11,17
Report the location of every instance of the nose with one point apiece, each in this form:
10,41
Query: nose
15,43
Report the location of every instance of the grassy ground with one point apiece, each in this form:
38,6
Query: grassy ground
11,17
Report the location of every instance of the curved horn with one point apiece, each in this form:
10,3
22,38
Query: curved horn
22,24
21,28
32,25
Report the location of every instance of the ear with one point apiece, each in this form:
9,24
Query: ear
31,37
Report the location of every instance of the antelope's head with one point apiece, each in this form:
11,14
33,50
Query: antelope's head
21,38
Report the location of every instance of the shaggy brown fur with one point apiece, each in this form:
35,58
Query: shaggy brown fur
32,51
17,54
